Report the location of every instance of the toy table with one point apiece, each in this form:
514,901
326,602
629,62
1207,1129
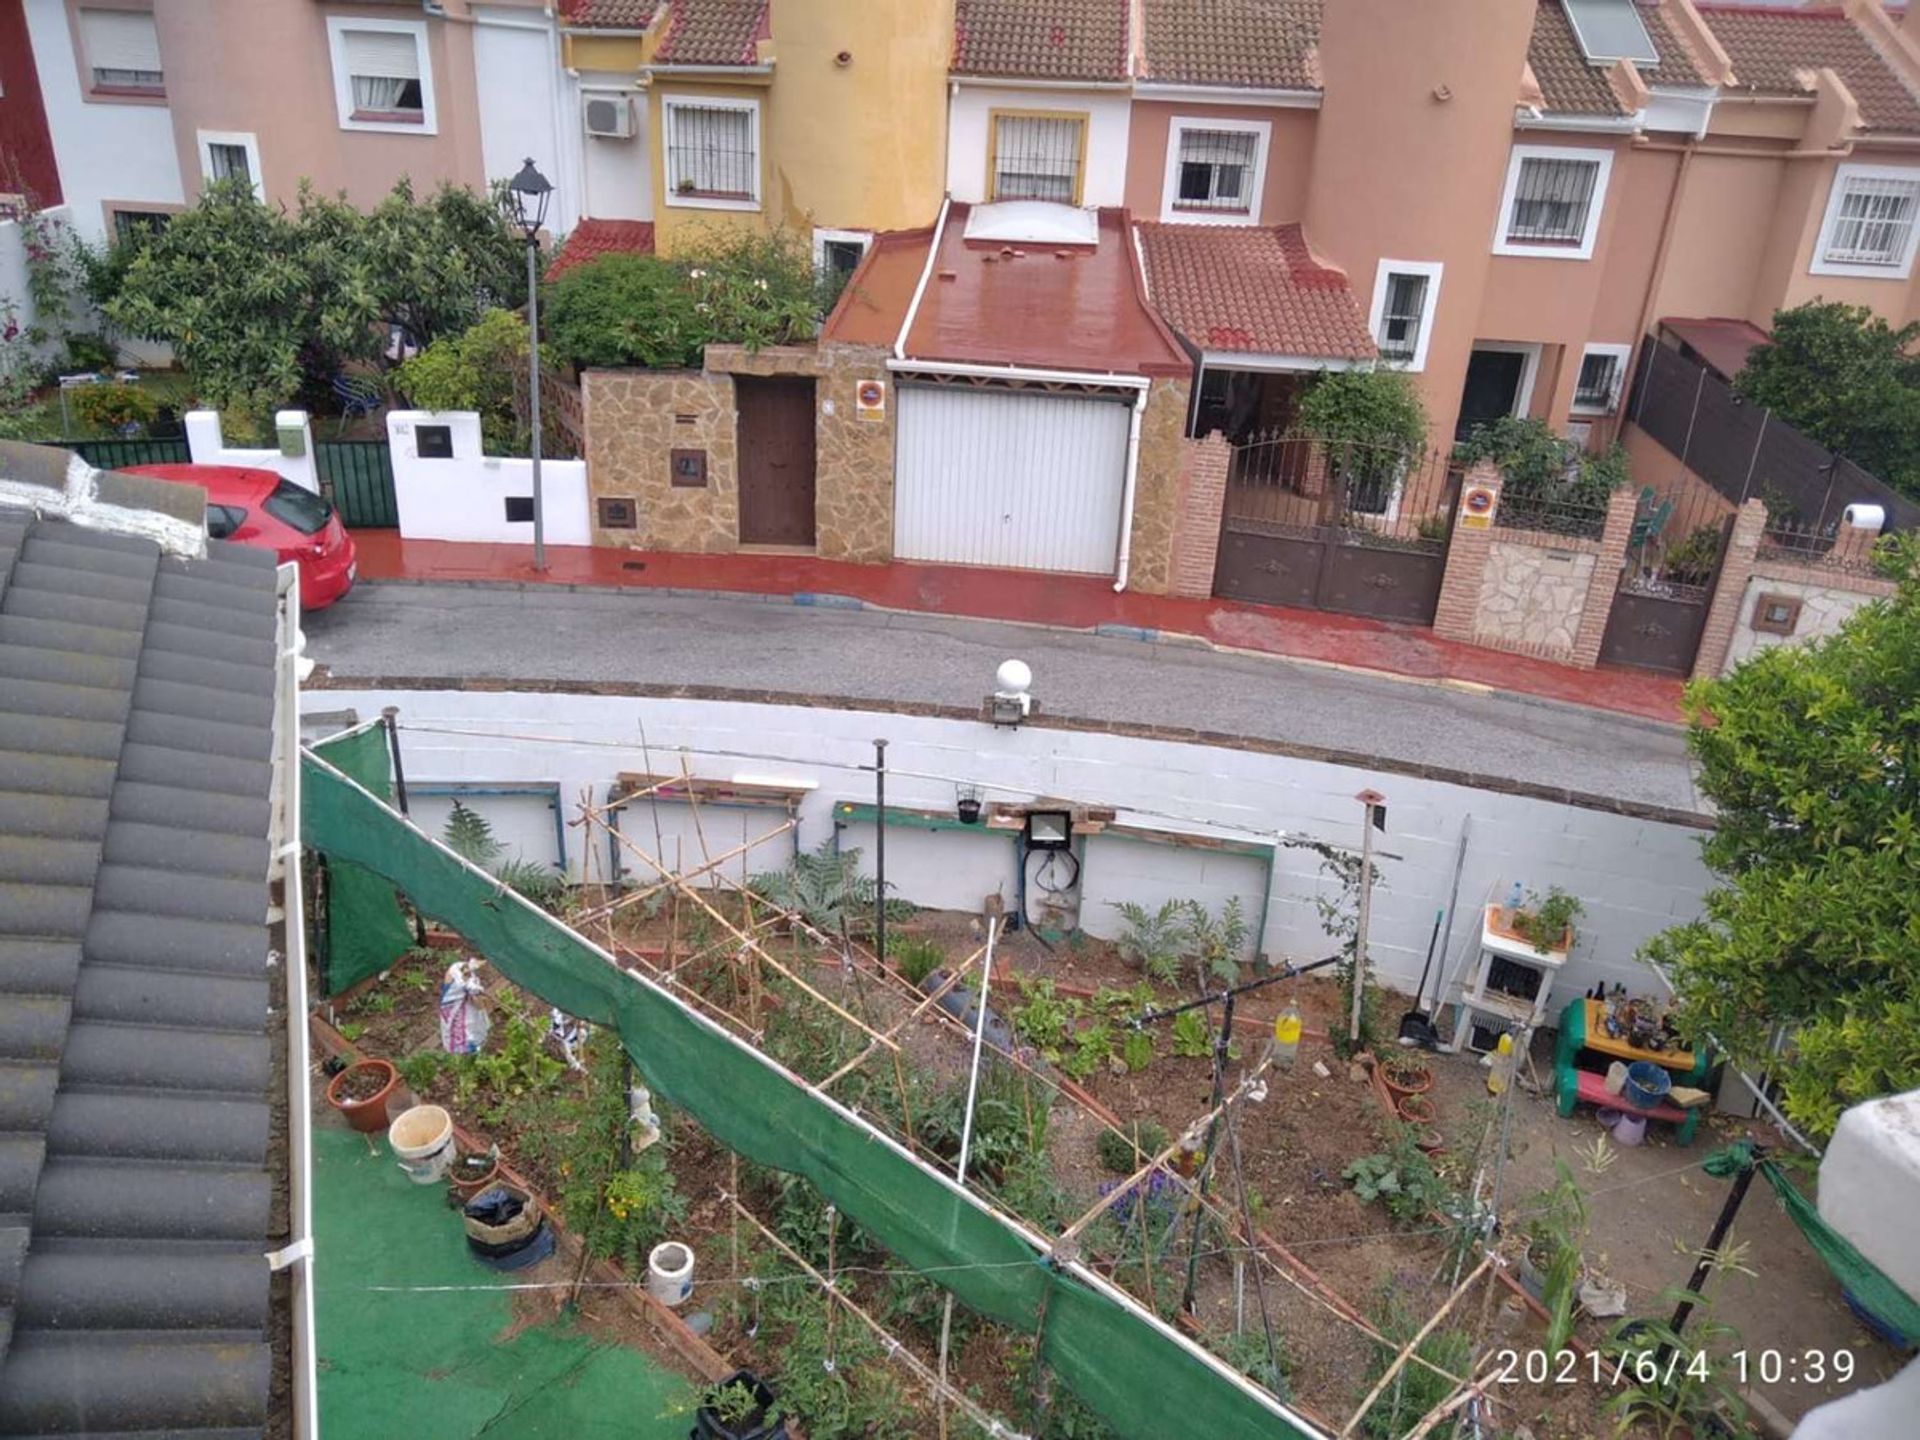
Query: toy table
1583,1027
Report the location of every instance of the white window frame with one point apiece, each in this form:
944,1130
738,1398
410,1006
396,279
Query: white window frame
671,103
1623,354
1382,281
1519,155
1170,210
822,236
246,140
337,28
1830,222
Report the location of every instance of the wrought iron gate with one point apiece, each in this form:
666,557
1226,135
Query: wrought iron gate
357,475
1666,585
1327,526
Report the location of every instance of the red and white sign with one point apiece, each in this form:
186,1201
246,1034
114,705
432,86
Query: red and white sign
870,400
1477,506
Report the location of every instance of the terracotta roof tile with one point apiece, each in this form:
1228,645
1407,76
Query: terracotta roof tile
1259,44
608,14
1254,290
713,32
593,238
1570,83
1041,39
1678,66
1767,46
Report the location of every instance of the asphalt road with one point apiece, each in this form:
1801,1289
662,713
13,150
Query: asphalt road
643,637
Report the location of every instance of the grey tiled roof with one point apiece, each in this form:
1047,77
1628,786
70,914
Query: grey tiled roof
136,1202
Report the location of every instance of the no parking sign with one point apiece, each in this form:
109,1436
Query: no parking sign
870,400
1477,505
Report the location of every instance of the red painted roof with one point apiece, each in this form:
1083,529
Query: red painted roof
592,238
1768,47
1043,307
1723,344
1253,290
714,32
608,14
1041,39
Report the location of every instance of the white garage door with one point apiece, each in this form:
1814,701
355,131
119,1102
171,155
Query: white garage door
1009,477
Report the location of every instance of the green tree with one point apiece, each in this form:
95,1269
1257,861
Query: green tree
1842,375
478,369
437,265
1809,756
1364,407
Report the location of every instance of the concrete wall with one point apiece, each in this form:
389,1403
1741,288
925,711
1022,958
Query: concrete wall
208,447
464,498
108,151
1635,876
970,139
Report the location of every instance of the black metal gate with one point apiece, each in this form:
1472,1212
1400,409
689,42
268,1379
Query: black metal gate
1327,526
122,454
357,475
1666,585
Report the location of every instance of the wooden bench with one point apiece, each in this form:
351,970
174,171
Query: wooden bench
1591,1089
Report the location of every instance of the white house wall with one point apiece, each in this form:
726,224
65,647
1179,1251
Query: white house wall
464,497
123,153
1108,115
524,109
617,174
1635,876
521,824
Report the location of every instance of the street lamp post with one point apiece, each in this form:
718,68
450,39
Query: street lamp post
528,194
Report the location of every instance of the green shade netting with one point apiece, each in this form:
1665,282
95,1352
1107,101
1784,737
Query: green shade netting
1140,1378
1866,1282
366,930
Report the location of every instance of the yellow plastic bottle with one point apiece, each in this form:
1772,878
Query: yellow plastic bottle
1500,1070
1286,1036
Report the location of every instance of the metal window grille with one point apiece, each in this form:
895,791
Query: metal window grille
1400,317
1216,170
1037,157
1875,222
228,162
710,152
1599,385
1551,201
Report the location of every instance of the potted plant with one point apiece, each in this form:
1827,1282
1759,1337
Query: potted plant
1406,1075
1416,1109
967,804
473,1173
738,1408
1546,925
360,1093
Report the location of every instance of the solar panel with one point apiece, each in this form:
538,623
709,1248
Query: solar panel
1610,30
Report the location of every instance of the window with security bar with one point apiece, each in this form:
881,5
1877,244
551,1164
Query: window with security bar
1874,225
1598,388
1037,157
1551,201
1216,170
1401,316
711,152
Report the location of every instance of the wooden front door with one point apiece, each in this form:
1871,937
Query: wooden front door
776,459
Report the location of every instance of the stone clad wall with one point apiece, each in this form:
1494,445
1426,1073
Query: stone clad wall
1533,593
634,419
1157,494
1826,602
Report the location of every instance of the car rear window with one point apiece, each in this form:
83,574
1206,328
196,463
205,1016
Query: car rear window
302,509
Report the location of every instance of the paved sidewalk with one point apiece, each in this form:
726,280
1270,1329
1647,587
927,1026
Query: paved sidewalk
1033,597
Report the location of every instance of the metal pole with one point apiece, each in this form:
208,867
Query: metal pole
880,855
1368,799
1722,1223
1220,1046
390,717
966,1122
533,397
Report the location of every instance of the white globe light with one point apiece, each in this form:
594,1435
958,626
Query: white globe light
1014,677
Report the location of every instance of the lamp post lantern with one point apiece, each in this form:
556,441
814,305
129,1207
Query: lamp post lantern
528,195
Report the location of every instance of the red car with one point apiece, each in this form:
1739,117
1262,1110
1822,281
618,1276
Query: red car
257,507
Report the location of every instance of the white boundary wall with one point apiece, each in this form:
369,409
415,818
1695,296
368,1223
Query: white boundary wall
208,447
1635,876
465,497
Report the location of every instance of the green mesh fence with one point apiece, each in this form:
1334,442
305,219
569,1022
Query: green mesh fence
1136,1374
366,931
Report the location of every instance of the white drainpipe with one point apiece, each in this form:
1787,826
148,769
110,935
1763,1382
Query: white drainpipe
1125,561
926,273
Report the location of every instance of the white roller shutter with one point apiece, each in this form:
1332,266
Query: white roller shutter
1013,478
386,54
121,45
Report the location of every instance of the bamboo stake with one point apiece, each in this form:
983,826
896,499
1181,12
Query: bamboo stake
1407,1350
1452,1403
896,1350
640,897
893,1031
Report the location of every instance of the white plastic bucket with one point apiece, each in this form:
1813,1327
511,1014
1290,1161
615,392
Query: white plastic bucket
423,1139
670,1273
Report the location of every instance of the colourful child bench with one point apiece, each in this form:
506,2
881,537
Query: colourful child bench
1582,1027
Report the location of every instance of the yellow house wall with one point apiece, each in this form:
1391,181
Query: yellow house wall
677,227
606,52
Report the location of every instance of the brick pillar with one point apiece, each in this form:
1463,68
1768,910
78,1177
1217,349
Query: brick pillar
1622,506
1198,499
1853,545
1459,608
1729,589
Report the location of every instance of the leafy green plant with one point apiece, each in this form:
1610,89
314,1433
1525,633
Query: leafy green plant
1693,1391
1043,1018
468,834
731,1404
1192,1040
1538,465
1364,408
1416,1390
1246,1351
477,369
1136,1050
1556,1219
1691,562
119,409
824,887
1218,944
1543,924
1092,1046
1123,1154
422,1068
915,956
1009,1122
1155,941
1402,1179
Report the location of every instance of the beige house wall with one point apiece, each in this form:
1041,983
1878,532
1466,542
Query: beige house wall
1289,155
1826,603
1721,230
263,67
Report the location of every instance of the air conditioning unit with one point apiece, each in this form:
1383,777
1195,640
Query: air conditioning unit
609,117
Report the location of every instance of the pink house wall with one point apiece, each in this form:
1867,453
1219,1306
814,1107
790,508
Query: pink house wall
1289,155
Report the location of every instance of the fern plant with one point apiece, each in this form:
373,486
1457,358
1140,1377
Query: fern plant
469,835
1218,944
1156,941
825,888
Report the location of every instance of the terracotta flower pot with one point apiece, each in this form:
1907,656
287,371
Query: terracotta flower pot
473,1173
369,1113
1406,1079
1415,1110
